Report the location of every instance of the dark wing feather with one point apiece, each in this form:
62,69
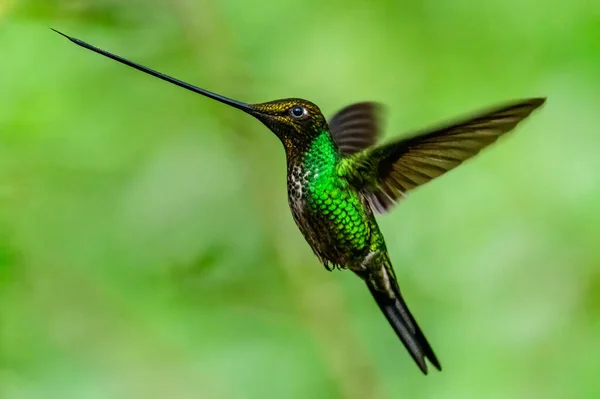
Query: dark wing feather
386,173
356,127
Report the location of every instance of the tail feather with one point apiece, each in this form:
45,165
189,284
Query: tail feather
407,329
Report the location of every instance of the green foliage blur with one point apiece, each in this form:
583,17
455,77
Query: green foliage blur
146,245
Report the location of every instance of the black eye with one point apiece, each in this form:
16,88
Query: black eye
298,112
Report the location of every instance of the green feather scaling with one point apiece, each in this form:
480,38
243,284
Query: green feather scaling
329,195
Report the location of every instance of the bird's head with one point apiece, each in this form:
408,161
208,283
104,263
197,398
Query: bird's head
293,120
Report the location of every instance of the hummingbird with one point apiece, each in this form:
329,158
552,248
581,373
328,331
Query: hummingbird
339,177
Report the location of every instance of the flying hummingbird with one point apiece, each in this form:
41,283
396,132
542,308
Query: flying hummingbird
339,177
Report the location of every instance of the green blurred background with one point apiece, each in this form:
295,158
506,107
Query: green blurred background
147,249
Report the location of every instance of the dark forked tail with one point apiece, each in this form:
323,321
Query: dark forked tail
401,319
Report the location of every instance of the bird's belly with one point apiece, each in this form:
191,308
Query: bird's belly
334,222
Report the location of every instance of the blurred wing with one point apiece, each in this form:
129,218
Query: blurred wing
391,170
356,127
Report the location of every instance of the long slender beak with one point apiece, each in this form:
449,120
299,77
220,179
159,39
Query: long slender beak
225,100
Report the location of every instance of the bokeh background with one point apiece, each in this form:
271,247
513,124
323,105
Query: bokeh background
147,249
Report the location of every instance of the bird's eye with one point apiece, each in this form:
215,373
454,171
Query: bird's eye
298,112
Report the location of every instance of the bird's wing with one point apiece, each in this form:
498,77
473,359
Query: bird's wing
356,126
386,173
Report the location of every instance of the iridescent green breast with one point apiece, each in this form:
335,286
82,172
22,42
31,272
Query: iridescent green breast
336,212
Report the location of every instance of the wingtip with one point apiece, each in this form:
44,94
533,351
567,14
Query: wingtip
539,100
526,106
535,102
